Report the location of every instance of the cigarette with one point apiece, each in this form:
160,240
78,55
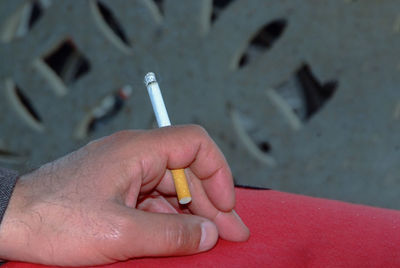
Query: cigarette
180,181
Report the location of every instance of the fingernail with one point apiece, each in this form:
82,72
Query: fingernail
236,215
245,228
238,218
209,236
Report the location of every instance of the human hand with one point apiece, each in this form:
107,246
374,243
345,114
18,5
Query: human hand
114,199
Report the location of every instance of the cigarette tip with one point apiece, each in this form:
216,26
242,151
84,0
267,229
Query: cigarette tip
149,78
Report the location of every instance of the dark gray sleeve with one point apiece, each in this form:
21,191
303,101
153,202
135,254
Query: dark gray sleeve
8,179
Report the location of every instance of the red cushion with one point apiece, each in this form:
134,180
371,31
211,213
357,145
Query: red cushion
289,230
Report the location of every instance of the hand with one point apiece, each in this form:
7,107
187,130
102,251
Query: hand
114,199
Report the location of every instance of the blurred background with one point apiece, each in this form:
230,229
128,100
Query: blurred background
302,96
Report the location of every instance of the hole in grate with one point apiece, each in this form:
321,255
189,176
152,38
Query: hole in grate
218,7
23,105
243,60
36,13
67,62
9,157
265,146
109,108
27,104
305,94
247,131
21,22
160,5
263,40
269,34
112,22
315,94
104,112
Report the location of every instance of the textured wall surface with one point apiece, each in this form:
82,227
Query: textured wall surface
302,96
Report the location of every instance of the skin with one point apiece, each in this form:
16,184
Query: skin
114,199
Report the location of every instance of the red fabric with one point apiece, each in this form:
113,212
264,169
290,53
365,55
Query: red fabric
289,230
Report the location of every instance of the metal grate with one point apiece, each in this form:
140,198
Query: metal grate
301,96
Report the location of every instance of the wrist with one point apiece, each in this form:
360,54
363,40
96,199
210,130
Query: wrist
15,225
8,179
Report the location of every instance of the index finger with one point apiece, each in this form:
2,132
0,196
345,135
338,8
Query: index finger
191,146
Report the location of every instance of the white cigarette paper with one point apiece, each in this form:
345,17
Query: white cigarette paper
180,181
157,100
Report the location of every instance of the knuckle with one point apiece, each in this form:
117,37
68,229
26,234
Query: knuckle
122,136
106,139
181,239
119,135
198,130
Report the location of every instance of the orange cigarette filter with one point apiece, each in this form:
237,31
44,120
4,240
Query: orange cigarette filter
160,111
181,186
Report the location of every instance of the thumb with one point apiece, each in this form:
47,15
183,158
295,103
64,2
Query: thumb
161,234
